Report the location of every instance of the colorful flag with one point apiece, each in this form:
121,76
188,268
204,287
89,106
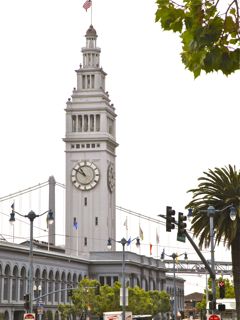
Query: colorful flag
150,249
126,223
157,237
75,224
129,241
87,4
140,233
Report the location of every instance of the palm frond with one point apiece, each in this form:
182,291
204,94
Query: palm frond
220,188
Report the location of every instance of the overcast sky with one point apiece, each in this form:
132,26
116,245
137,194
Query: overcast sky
170,127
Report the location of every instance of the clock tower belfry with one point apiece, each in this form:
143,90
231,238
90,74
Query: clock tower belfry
90,142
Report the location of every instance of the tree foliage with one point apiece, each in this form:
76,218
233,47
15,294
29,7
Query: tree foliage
219,188
84,300
209,31
229,291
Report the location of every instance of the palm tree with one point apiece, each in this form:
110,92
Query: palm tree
219,188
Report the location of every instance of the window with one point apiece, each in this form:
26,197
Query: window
92,81
93,145
109,281
85,123
91,122
72,146
98,122
83,82
78,146
101,280
110,126
6,283
88,81
115,279
82,145
88,145
85,241
74,123
79,123
96,221
15,284
85,201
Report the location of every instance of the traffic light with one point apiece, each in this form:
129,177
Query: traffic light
170,220
26,301
212,305
210,297
221,289
221,307
181,224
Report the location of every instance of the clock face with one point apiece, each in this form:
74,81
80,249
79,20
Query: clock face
111,177
85,175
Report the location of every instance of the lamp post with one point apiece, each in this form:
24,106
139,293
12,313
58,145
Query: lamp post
211,211
174,256
38,289
123,242
31,216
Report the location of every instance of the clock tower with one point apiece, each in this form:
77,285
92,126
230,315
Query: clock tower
90,142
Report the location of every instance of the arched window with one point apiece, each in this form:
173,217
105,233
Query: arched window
6,283
44,283
37,284
1,282
50,286
75,280
15,284
79,277
69,284
23,282
63,286
57,286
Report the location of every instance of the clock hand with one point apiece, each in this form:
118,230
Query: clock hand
80,170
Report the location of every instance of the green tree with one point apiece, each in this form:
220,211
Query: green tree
139,301
160,302
109,298
85,300
229,291
209,31
219,188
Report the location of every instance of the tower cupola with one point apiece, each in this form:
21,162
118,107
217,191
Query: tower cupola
91,54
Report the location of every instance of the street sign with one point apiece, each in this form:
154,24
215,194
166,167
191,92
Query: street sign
29,316
214,317
181,238
40,310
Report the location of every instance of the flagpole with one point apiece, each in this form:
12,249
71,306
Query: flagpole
91,14
77,241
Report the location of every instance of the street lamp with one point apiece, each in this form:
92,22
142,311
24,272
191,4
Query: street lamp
211,211
38,289
123,242
174,256
31,216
